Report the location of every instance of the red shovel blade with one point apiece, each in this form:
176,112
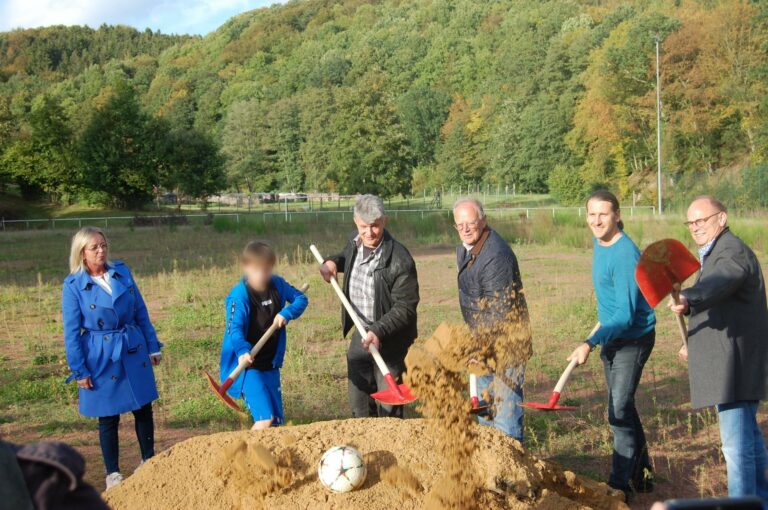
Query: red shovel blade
477,408
663,265
395,394
221,392
548,406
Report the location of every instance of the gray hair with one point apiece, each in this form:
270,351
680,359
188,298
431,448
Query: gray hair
369,208
474,203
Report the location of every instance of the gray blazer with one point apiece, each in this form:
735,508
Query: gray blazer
728,329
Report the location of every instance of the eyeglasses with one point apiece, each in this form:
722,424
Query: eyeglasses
471,225
701,221
97,247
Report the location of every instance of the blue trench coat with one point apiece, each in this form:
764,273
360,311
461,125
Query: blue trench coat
235,342
109,338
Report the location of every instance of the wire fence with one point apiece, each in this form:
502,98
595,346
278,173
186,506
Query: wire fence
165,220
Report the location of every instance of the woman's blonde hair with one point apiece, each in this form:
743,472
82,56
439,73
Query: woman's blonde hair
79,242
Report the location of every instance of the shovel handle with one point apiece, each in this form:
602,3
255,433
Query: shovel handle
680,320
567,373
564,378
351,311
257,347
473,398
473,386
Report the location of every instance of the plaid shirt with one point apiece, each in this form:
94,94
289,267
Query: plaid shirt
361,289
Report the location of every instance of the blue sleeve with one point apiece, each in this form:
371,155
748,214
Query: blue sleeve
72,319
237,327
141,315
626,298
296,301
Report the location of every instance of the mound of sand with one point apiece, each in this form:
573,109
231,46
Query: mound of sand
277,469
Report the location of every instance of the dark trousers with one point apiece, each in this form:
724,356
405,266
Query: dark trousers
365,378
623,362
110,443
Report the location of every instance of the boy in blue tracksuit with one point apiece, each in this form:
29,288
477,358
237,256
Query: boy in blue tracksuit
259,300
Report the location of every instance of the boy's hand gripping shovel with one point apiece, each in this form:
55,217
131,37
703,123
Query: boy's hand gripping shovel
221,390
395,394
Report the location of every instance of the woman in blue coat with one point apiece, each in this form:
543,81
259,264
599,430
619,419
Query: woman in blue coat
110,344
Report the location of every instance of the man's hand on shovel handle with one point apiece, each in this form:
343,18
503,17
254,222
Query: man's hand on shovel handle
581,353
371,338
245,358
679,308
328,270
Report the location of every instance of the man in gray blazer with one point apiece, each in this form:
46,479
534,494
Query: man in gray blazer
728,343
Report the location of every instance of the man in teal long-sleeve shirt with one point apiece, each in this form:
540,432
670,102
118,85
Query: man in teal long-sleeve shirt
626,337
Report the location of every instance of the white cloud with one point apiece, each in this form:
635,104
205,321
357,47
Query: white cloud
170,16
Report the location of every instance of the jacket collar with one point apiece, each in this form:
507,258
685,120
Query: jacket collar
386,247
712,245
83,278
478,247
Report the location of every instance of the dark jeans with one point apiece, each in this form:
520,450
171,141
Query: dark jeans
365,378
623,362
110,444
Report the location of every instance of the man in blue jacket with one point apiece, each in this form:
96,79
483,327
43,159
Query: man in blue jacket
490,293
626,337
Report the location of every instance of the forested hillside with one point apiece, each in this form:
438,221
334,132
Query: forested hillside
390,96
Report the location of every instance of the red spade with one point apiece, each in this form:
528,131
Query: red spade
552,405
663,267
474,399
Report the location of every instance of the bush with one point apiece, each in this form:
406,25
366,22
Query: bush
755,185
566,185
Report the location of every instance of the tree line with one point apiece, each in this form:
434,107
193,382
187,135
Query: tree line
390,97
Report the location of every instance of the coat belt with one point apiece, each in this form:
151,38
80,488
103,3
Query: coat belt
117,337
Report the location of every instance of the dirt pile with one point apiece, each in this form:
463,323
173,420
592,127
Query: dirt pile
404,468
445,462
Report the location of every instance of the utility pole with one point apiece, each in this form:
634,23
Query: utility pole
658,128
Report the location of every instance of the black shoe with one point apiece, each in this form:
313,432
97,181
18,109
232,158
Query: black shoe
644,486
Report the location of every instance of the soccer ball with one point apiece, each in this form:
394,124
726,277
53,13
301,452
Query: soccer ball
342,469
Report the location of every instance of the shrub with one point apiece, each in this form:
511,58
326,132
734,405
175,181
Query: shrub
567,185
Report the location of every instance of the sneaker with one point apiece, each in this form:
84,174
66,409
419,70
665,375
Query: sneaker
114,479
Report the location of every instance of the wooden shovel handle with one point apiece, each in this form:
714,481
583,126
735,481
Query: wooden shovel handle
567,373
257,347
351,311
680,320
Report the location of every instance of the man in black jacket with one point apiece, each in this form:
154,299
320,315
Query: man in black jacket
728,343
380,282
491,299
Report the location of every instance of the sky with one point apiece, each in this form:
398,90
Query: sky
169,16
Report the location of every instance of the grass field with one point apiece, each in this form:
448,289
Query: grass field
185,272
